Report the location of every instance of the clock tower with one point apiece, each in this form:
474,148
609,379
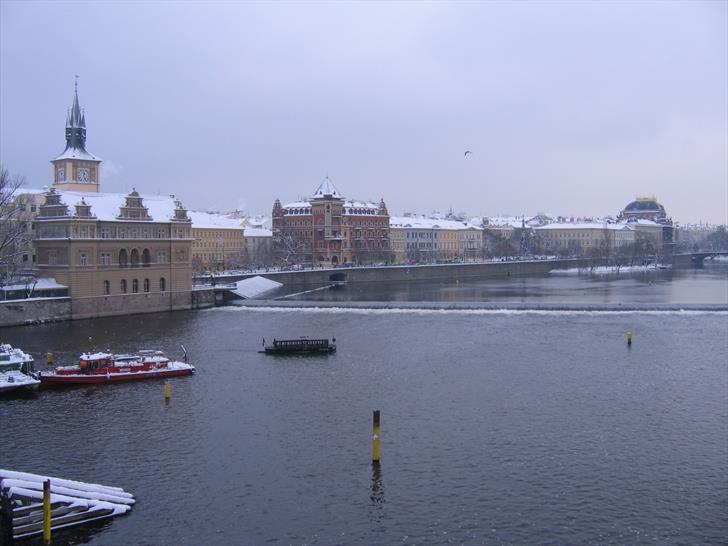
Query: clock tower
76,169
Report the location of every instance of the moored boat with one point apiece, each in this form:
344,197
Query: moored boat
16,369
299,346
106,367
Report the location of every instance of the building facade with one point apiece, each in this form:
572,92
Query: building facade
586,238
428,240
218,242
116,253
112,254
329,230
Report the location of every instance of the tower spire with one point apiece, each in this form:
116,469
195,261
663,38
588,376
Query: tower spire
76,169
76,123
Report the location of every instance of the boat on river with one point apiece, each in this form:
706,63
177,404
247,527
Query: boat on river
299,346
107,367
16,369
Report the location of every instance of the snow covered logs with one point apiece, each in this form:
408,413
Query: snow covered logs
72,503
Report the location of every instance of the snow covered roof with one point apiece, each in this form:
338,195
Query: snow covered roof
360,205
326,188
297,205
585,225
105,206
348,204
415,222
37,284
258,232
213,220
77,153
643,222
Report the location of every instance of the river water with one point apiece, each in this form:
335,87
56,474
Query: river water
498,427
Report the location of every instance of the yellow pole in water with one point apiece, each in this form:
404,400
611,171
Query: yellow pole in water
47,511
629,339
167,391
375,437
49,358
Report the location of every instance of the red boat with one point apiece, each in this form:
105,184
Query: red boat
107,367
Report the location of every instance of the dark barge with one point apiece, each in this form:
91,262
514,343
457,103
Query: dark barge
299,346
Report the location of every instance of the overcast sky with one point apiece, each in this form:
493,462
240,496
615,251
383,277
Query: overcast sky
568,108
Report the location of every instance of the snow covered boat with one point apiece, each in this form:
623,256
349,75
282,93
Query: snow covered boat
107,367
16,369
300,346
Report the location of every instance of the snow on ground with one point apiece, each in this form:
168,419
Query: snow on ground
255,286
608,269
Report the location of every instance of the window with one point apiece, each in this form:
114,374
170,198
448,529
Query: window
105,258
135,286
52,257
107,288
83,258
146,285
123,258
105,233
134,257
33,208
160,233
123,286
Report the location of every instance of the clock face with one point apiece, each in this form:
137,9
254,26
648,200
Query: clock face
83,175
60,175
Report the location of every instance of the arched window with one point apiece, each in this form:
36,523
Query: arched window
107,288
134,257
162,285
146,258
123,260
146,285
135,286
122,287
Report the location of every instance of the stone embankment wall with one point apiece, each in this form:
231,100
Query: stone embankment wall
311,278
18,312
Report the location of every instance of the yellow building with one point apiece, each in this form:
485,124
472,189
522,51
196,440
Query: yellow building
219,242
417,239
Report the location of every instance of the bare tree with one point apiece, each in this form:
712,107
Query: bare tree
14,237
291,250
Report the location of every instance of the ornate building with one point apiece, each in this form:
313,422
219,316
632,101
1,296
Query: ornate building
329,230
116,253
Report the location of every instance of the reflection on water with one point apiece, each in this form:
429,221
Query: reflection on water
707,285
377,496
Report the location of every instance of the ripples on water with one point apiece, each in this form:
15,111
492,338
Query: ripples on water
498,428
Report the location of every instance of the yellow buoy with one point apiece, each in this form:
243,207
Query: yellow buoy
167,391
376,432
49,358
629,338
